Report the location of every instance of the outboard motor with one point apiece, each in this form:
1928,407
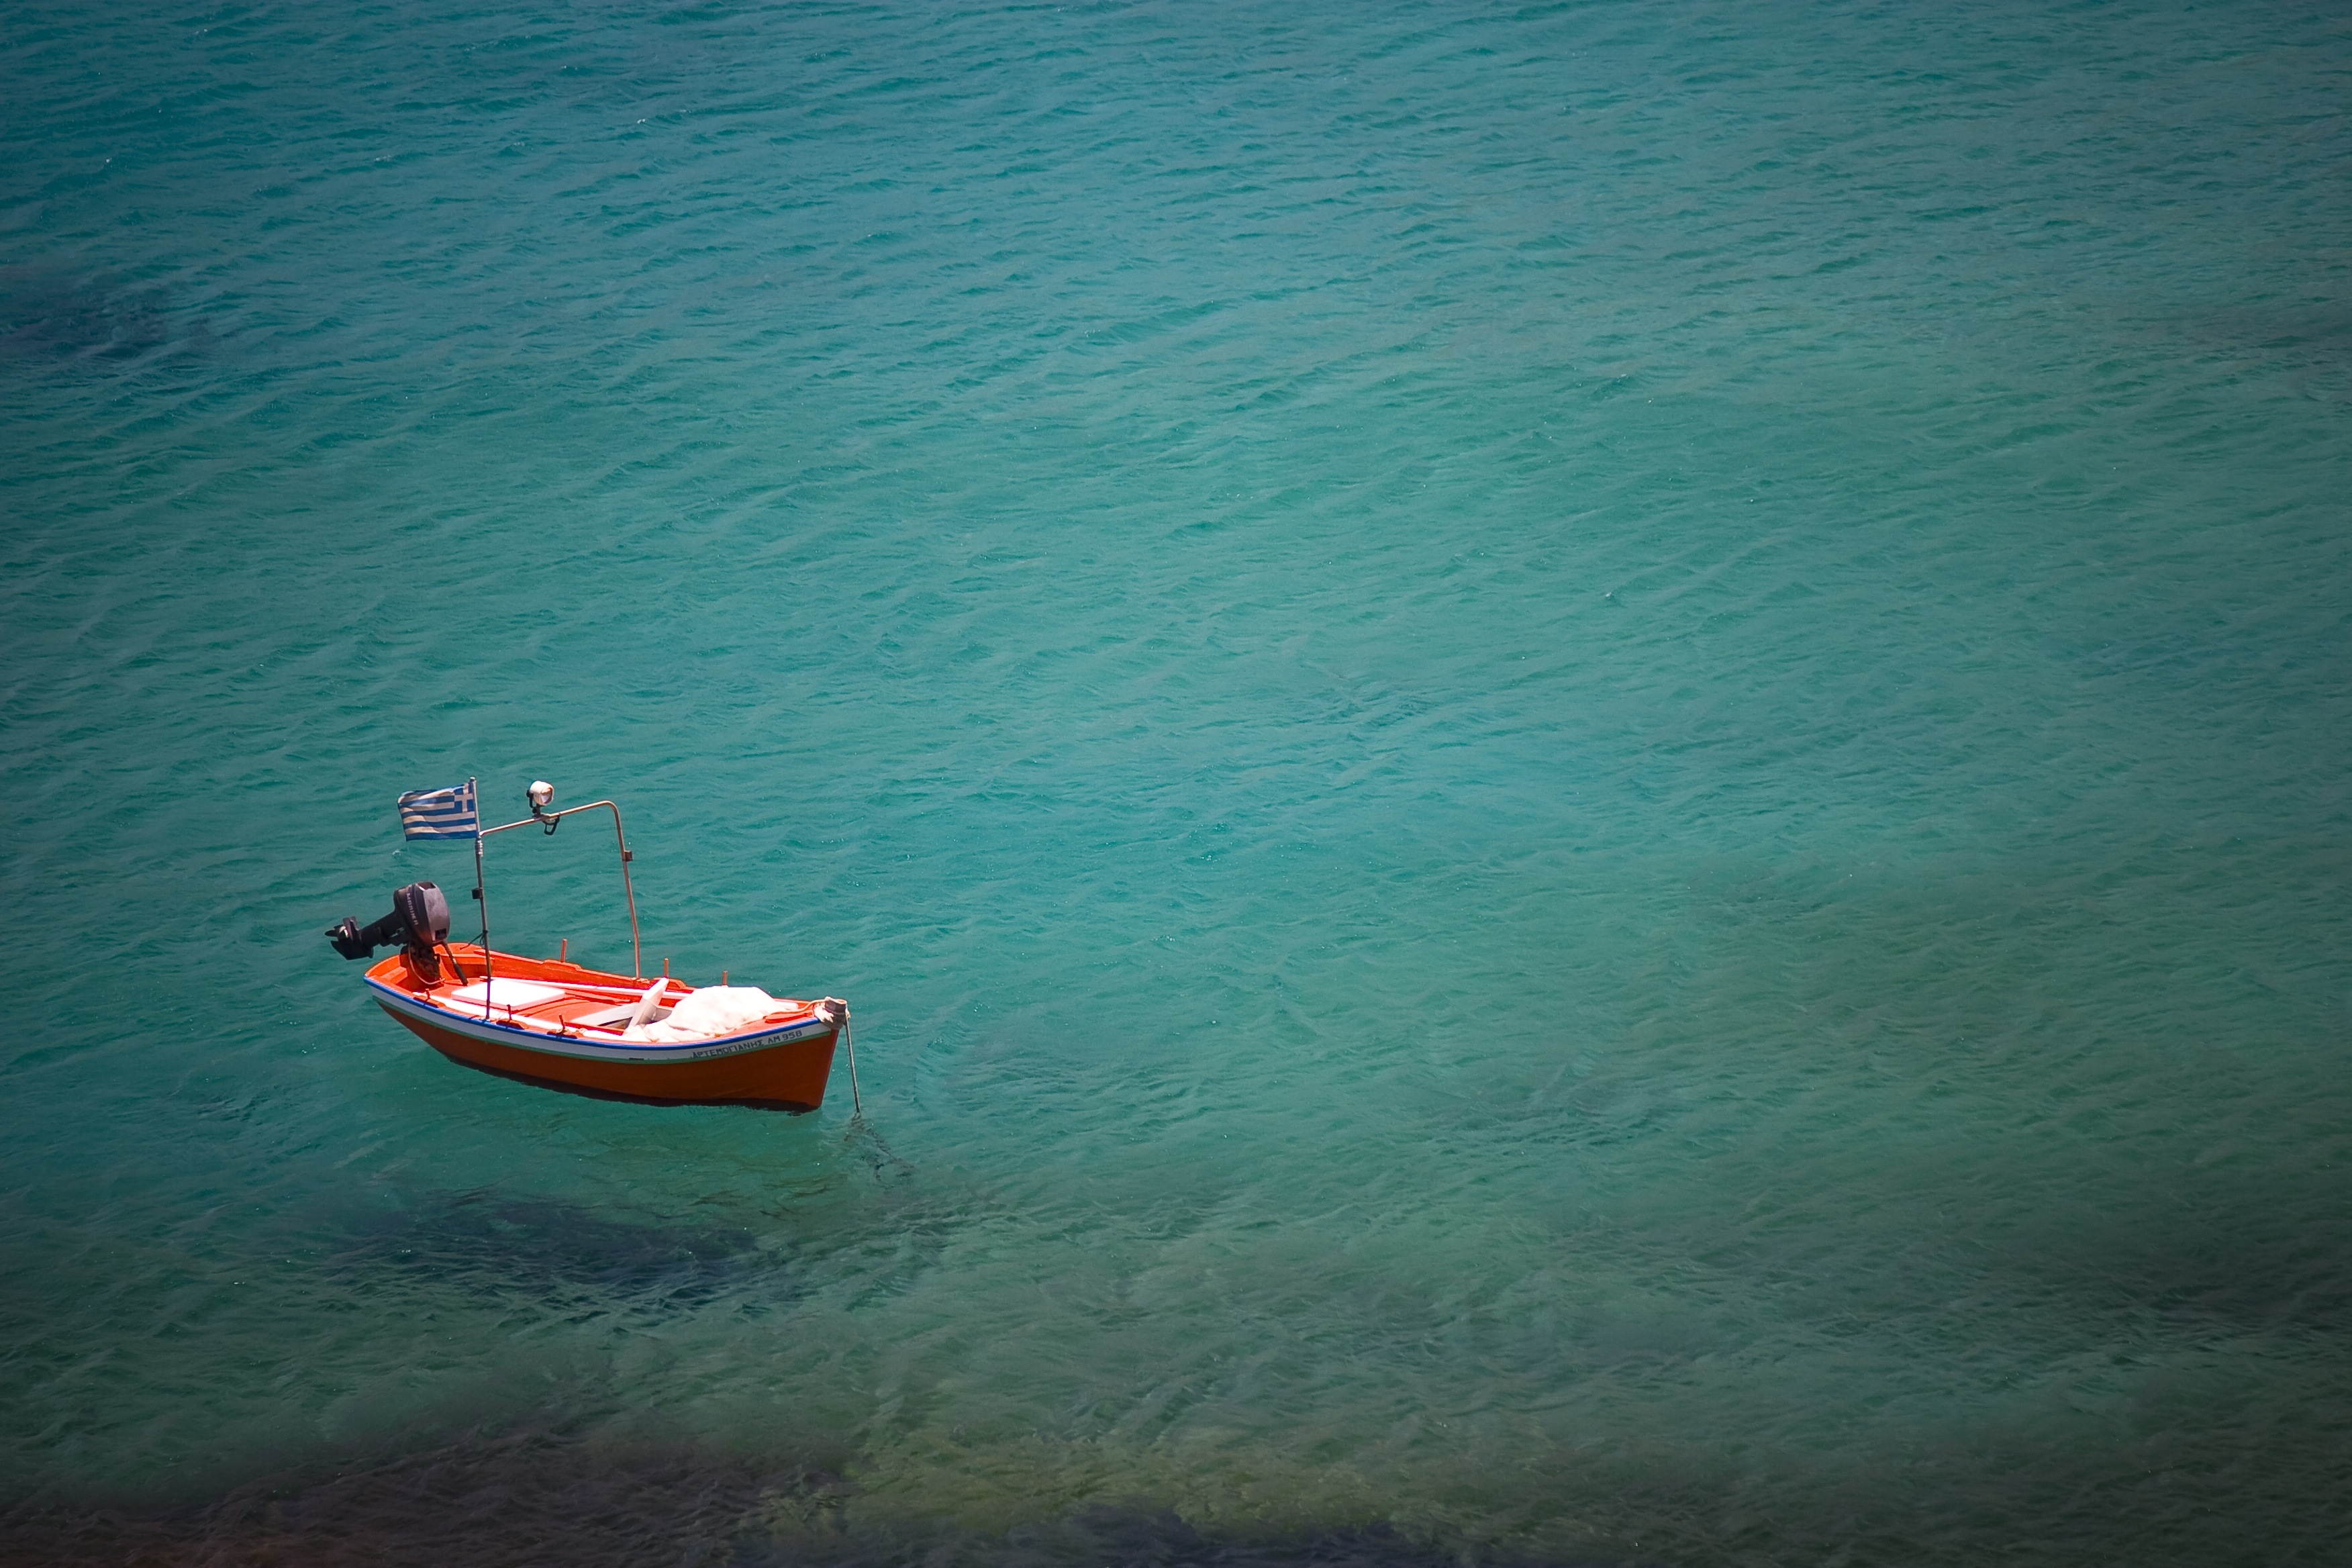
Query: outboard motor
419,919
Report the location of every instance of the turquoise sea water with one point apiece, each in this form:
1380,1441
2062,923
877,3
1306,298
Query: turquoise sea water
1582,772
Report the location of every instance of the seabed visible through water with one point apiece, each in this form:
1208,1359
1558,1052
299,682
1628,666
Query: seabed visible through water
1580,770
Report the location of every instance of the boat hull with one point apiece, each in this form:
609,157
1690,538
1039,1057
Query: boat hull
781,1064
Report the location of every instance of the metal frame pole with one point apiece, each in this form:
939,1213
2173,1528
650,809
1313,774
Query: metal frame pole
548,820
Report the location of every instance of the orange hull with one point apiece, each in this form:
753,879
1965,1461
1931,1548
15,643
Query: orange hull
781,1062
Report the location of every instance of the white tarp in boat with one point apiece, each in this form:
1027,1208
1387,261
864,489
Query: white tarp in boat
702,1014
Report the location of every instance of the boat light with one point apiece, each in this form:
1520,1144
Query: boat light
541,793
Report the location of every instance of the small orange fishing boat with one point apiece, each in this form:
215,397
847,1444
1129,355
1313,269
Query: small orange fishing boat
555,1024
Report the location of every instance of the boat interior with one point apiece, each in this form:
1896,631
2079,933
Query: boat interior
552,996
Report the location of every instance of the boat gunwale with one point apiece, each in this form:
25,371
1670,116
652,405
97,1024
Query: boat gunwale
567,1040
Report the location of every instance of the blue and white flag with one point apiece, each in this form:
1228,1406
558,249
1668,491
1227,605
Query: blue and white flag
440,813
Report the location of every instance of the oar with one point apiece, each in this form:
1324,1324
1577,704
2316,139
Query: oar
647,1004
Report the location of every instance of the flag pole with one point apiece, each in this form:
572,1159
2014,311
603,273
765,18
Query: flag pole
474,790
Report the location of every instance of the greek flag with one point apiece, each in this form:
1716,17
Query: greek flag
440,813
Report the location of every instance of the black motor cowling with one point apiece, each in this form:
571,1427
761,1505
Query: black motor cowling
419,919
